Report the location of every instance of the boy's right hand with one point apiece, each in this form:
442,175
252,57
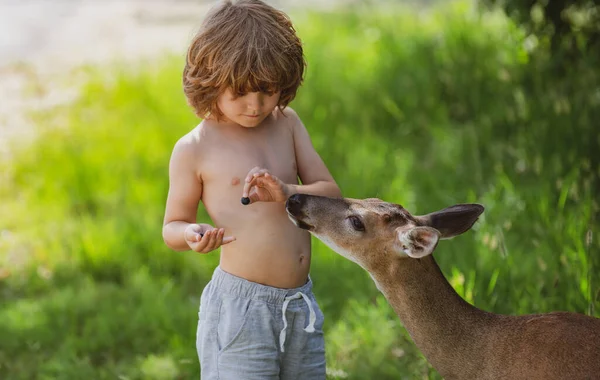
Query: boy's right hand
204,238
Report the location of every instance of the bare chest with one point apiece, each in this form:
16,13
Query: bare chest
228,158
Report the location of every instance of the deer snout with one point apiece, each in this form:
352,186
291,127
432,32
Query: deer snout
295,202
295,209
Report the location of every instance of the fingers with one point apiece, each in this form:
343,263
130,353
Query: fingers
268,188
264,187
227,240
252,174
193,233
211,240
256,194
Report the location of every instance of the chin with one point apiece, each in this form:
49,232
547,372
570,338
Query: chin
246,125
249,123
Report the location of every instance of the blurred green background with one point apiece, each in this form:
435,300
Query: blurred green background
423,107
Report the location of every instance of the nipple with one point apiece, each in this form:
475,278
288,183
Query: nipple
235,181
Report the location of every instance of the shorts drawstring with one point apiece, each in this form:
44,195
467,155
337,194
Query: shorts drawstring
312,316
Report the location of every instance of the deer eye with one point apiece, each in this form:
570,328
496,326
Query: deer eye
357,224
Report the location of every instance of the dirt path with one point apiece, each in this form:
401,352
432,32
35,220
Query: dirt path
42,42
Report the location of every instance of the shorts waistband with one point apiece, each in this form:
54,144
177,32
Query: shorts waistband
241,287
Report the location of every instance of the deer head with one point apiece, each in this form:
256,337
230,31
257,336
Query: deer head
371,231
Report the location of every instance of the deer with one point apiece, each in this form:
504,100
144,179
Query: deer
458,340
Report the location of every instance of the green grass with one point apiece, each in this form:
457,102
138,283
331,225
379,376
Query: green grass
424,109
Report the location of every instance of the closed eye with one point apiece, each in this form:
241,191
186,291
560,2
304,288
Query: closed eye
356,223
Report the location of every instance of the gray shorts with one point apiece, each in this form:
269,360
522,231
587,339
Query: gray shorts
252,331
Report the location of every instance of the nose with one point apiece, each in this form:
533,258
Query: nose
255,101
295,202
295,199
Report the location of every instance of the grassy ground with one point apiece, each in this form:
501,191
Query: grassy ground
423,109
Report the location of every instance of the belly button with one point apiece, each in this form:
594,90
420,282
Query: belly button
301,258
235,181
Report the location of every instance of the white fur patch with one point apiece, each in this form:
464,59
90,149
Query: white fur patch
293,219
404,240
412,249
336,248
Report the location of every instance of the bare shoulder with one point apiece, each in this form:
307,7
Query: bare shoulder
289,112
290,116
188,146
191,141
290,119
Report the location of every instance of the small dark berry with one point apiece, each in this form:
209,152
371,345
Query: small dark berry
245,200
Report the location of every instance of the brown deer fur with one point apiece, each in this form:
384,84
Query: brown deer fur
459,340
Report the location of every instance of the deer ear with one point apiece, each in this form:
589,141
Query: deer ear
418,241
452,221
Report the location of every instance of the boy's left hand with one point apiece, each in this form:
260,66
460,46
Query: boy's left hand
262,186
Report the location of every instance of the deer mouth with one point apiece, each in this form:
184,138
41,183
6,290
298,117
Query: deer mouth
300,224
297,219
294,209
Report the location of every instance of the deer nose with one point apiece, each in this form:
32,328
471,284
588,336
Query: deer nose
295,202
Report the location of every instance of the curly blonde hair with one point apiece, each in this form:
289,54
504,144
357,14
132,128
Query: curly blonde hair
245,45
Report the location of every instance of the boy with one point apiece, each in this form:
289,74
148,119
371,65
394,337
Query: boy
258,316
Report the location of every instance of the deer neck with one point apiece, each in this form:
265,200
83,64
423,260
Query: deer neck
446,329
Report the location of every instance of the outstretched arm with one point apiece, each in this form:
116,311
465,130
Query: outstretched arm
261,185
314,175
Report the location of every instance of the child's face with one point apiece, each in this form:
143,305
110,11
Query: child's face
248,110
